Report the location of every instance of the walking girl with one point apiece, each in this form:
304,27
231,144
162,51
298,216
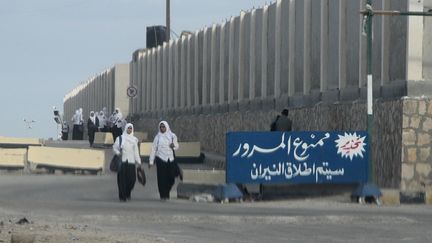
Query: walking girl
164,144
126,145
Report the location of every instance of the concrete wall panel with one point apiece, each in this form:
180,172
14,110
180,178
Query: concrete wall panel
271,35
284,49
183,70
67,157
16,157
333,48
398,32
299,46
214,64
199,67
315,45
244,51
352,42
256,65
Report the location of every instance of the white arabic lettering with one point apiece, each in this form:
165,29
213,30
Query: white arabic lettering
303,156
290,171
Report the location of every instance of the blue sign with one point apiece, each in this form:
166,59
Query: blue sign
296,157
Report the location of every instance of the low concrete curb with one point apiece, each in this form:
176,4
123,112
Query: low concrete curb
390,197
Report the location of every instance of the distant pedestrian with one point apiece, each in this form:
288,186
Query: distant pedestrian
282,122
81,127
65,131
164,144
77,125
117,125
126,145
92,127
102,121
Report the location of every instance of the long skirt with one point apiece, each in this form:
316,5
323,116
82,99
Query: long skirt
126,178
165,177
116,131
81,133
91,136
64,136
75,132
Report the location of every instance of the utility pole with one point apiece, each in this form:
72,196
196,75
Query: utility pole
168,24
370,189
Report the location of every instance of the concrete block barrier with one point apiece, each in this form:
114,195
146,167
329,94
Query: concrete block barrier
390,196
66,158
197,182
142,136
13,158
207,177
11,142
188,152
187,191
103,139
145,149
428,198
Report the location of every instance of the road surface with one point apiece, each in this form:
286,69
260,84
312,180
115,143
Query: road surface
85,208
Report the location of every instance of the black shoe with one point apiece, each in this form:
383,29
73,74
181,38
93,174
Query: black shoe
122,200
128,198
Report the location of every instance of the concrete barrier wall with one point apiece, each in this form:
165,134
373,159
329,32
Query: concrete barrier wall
210,129
307,55
13,158
18,142
107,89
103,138
66,158
186,149
296,52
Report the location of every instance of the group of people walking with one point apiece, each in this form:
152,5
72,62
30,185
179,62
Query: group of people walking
162,154
97,122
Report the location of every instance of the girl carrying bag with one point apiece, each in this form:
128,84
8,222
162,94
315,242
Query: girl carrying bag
116,160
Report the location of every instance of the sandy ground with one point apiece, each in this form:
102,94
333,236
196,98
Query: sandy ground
38,230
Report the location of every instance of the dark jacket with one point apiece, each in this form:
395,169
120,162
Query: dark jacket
91,127
281,123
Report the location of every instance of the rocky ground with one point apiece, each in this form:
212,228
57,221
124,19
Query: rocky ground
14,230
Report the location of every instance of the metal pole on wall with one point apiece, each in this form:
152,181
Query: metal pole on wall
370,118
168,24
370,189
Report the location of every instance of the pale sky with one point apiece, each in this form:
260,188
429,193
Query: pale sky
48,47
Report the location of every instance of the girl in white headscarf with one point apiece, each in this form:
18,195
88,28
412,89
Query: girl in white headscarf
164,144
128,149
76,119
81,122
92,127
117,123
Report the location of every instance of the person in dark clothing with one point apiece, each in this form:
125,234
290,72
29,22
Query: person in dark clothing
65,131
118,122
282,122
126,146
78,127
162,153
92,127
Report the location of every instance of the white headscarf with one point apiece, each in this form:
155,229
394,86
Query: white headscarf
118,113
81,118
168,134
92,117
128,137
75,117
